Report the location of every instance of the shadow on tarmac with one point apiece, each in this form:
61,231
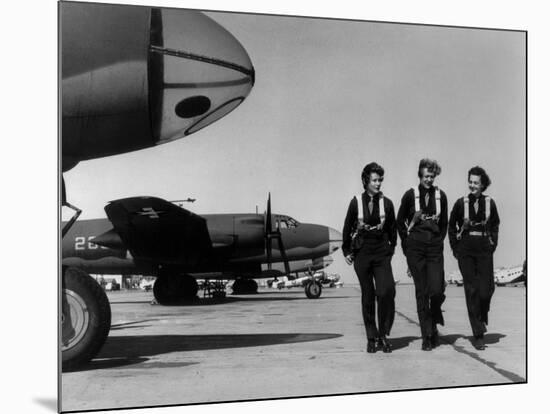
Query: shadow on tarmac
149,345
128,350
402,342
130,325
259,297
107,363
489,339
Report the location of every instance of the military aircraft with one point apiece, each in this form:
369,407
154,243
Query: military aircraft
133,77
510,276
319,278
152,236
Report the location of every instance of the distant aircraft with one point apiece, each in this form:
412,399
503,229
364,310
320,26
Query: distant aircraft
503,276
312,278
151,236
131,78
306,281
510,276
455,278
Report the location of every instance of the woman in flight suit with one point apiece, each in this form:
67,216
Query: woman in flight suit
473,235
369,238
422,226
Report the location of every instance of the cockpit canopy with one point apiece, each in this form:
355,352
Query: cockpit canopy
285,222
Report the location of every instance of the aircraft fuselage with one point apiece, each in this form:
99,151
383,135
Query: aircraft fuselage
238,248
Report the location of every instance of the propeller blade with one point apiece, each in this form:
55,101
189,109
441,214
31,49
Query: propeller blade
283,253
268,218
268,232
63,192
268,250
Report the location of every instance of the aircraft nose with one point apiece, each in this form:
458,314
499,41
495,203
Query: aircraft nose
335,240
198,73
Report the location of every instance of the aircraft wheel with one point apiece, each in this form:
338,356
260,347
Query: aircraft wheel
245,286
85,318
167,290
171,290
189,287
313,290
252,286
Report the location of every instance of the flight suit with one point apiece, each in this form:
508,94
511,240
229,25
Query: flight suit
473,245
372,251
423,247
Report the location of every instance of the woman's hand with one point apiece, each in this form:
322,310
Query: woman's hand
349,259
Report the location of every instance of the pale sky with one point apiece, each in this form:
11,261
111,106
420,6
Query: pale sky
331,96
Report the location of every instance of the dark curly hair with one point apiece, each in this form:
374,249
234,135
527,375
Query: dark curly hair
484,177
373,167
431,165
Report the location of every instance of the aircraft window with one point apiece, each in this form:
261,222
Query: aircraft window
282,224
286,222
193,106
215,115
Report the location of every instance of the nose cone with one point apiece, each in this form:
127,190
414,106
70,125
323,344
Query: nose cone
198,72
335,240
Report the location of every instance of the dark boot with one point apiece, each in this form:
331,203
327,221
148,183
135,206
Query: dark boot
426,343
434,339
371,346
384,344
479,343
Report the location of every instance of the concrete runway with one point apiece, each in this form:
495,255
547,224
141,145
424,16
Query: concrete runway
281,344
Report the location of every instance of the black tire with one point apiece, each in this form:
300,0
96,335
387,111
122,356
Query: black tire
173,290
245,287
85,318
189,287
167,290
313,290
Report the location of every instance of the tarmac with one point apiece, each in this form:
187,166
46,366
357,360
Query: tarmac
278,344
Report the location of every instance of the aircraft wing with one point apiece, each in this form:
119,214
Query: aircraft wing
157,230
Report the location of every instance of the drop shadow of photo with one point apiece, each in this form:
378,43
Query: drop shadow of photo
48,403
402,342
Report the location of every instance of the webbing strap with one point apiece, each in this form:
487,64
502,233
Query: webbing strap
416,199
466,223
437,202
417,206
360,212
487,209
381,209
361,215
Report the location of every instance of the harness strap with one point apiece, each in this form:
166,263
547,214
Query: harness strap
487,209
437,202
360,212
418,209
466,222
416,199
361,215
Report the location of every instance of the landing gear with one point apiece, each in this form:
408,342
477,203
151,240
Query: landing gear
174,289
85,317
313,289
245,287
214,289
